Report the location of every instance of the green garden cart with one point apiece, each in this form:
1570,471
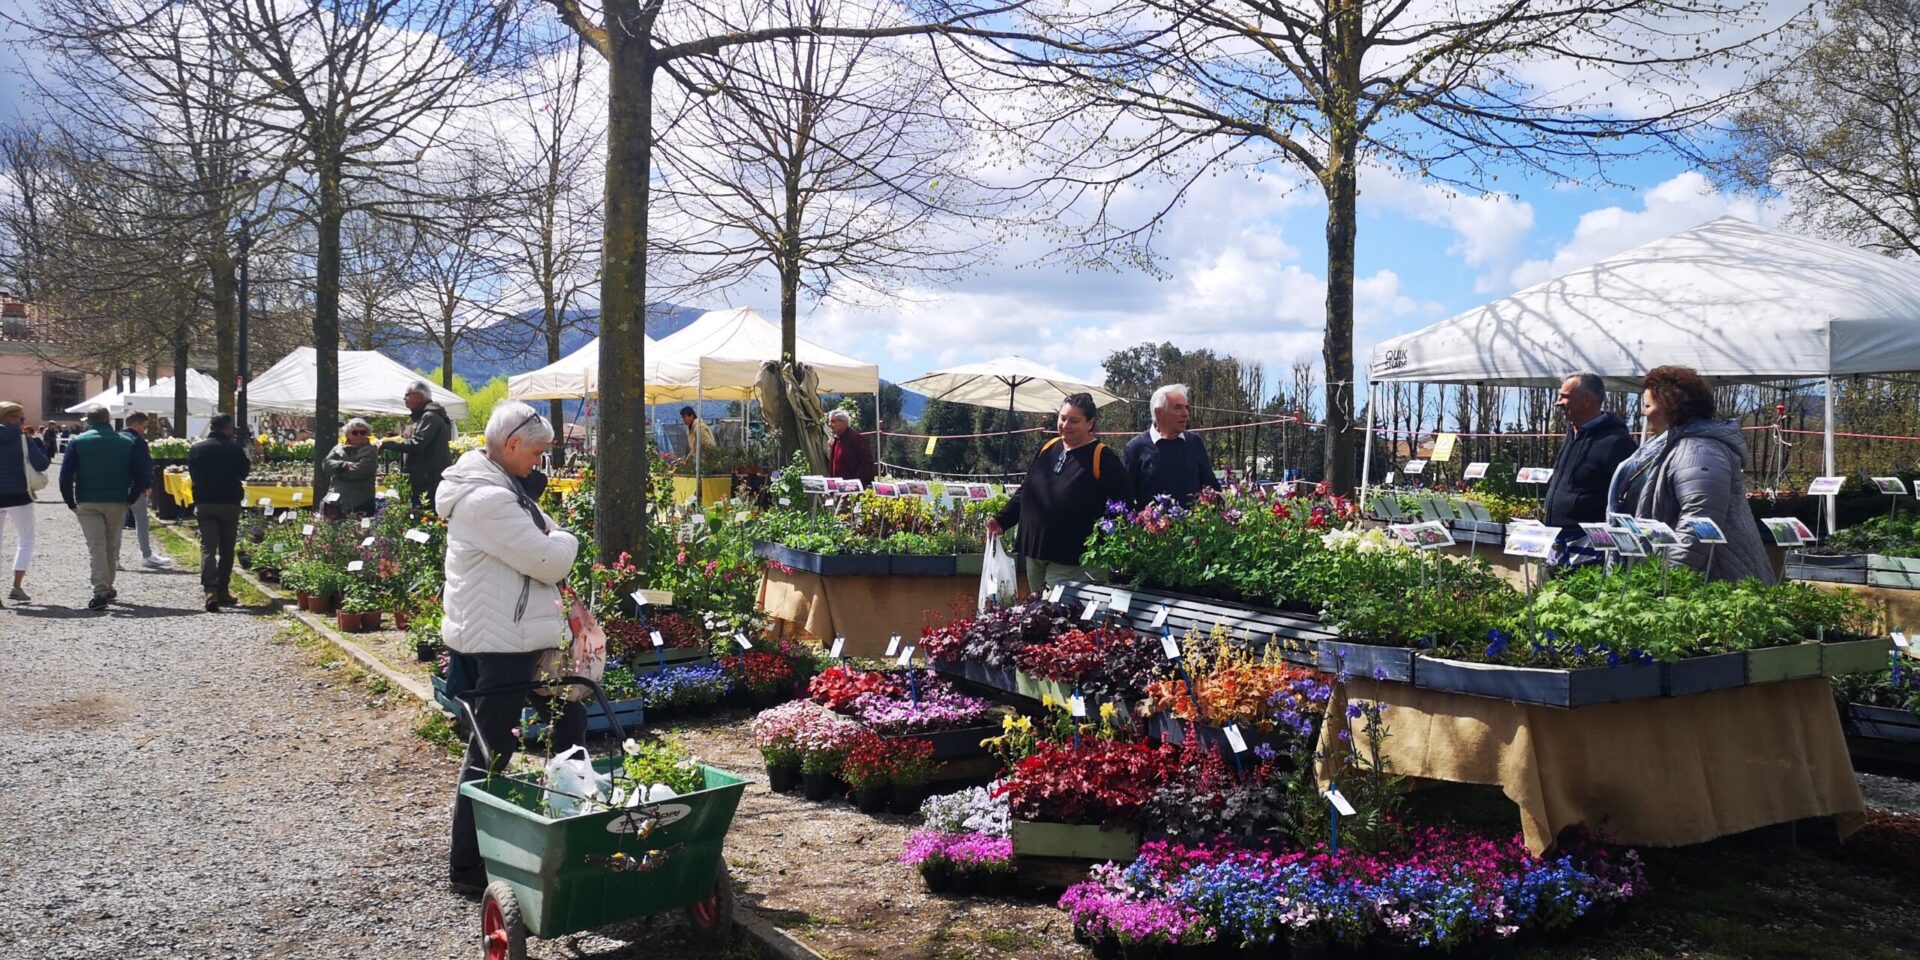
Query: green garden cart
550,877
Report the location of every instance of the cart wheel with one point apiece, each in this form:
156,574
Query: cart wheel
503,935
713,917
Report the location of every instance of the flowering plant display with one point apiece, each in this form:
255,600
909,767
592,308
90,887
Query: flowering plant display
965,853
690,685
1234,686
838,687
1102,782
1240,539
939,708
869,761
649,763
1209,797
776,732
995,638
822,738
759,671
913,764
1072,656
980,810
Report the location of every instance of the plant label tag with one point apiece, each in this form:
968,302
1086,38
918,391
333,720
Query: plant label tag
1891,486
1170,645
839,644
266,503
1900,639
368,542
741,639
893,645
1121,601
906,657
393,493
355,566
1825,486
698,519
286,517
1475,471
299,495
366,523
1414,468
658,640
1160,617
1092,605
1234,739
659,598
786,501
417,536
1703,529
742,516
333,497
1389,478
1077,705
1525,540
1340,803
640,598
1059,590
307,531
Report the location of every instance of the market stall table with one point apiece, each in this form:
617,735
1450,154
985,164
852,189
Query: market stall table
865,610
179,486
1658,773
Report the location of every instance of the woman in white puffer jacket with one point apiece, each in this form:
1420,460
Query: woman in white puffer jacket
505,561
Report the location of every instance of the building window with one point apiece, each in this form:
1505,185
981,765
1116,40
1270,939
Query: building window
60,391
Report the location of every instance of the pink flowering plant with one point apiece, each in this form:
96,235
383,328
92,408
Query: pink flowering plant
822,739
776,732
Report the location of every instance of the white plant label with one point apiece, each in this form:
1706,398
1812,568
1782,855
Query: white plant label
1234,739
639,598
1160,617
1900,639
393,493
741,639
366,523
1077,705
839,644
1825,486
355,566
417,536
658,640
786,501
742,516
1092,605
307,531
1414,468
299,495
287,517
266,502
1475,471
1170,645
368,542
1340,803
333,497
893,645
906,657
1059,590
1121,601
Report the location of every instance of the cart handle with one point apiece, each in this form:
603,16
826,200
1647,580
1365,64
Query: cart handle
486,752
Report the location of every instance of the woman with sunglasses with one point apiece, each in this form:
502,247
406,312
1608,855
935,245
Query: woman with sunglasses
1066,492
353,468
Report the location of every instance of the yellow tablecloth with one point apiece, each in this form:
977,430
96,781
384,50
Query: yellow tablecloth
865,610
1662,773
179,486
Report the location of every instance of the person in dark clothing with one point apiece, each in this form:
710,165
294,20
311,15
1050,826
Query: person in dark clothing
1066,492
99,479
218,467
852,456
137,515
19,450
1166,458
426,451
1597,441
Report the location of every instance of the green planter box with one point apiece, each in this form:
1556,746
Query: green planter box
557,868
1072,840
1855,656
967,564
1028,685
1901,573
1790,662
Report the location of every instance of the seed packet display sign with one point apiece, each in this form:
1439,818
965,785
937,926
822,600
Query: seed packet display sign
1825,486
917,488
1414,468
979,492
1475,471
1529,540
1600,536
1534,475
1703,529
1785,530
1891,486
816,485
1430,535
886,490
1658,533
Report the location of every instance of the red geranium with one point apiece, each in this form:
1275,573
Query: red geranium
1102,781
869,762
763,672
838,687
1075,655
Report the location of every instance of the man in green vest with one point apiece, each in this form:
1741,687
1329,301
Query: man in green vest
100,478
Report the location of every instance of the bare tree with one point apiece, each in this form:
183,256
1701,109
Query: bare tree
454,264
1449,92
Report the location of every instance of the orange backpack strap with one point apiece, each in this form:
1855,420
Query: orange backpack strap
1098,449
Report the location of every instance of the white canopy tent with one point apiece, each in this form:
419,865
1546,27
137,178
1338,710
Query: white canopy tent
718,357
1728,298
370,383
203,395
571,377
115,400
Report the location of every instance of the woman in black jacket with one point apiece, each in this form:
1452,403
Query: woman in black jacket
17,451
1066,492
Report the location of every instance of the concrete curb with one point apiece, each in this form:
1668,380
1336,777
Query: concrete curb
772,942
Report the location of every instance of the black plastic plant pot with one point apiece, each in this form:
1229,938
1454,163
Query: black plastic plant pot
954,744
871,799
784,778
816,786
907,799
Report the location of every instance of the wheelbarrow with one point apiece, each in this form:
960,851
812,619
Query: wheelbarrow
550,877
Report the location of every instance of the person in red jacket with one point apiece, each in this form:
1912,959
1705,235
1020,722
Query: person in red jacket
852,457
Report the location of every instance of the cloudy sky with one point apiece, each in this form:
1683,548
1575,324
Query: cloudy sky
1244,261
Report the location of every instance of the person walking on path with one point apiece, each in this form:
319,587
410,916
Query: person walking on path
505,561
354,466
143,460
1166,458
100,479
1597,441
22,460
218,467
426,450
852,457
1066,492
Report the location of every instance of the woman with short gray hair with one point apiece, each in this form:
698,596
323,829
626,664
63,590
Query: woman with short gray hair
353,469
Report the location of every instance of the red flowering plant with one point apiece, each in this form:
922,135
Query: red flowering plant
1101,782
678,630
1075,655
913,763
838,687
759,671
869,762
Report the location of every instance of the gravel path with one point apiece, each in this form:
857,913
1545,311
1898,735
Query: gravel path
182,784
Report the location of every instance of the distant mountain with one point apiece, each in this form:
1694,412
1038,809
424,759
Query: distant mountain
479,363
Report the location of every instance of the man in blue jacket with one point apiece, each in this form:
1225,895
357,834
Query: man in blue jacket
1166,458
142,460
99,479
1597,441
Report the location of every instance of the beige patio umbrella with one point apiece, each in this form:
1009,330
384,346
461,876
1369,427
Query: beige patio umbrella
1018,383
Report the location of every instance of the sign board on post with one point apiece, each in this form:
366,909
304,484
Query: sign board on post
1825,486
1475,470
1415,468
1443,447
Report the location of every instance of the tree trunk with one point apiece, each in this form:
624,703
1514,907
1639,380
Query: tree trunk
225,315
1342,199
182,335
550,321
326,320
621,470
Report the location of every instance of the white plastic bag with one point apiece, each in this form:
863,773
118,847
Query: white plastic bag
572,773
999,581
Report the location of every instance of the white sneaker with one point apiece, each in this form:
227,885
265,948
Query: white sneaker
158,562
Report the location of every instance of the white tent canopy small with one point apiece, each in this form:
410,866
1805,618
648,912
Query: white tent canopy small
718,357
1013,383
203,395
370,383
115,400
573,376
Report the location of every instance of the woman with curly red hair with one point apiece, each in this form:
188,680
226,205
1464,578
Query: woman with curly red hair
1691,466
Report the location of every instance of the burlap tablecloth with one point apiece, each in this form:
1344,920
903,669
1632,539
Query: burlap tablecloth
1657,773
865,610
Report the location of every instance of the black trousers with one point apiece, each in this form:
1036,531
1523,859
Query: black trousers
494,717
219,528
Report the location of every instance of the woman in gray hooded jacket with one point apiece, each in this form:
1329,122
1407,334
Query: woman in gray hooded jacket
1691,466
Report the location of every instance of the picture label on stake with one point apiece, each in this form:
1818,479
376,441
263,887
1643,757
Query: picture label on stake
1170,645
893,645
658,640
839,644
417,536
906,657
1340,803
1234,739
1121,601
1160,617
1475,471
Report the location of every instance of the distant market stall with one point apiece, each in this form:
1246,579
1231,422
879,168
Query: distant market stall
370,384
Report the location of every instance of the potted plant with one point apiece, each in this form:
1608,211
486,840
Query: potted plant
868,769
822,742
774,732
926,853
1086,802
327,584
913,767
356,604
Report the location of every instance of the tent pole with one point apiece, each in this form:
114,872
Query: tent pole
1006,441
1366,456
1833,516
693,440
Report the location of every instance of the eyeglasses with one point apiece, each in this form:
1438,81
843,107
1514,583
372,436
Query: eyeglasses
523,424
356,433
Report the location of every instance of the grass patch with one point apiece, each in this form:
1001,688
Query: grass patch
436,728
1010,941
185,551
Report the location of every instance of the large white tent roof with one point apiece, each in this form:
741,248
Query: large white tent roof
718,356
369,384
1727,298
575,375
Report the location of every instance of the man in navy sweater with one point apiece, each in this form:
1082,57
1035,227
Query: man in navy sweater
1596,443
1165,458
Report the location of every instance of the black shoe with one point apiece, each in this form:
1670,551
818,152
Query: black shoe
468,883
113,595
100,602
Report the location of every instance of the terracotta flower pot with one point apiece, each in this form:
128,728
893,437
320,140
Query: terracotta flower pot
400,619
348,622
303,598
370,621
322,605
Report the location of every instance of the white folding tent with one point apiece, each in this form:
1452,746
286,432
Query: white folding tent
1727,298
718,357
571,377
370,383
115,400
203,395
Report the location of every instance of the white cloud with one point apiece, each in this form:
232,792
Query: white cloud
1687,200
1488,228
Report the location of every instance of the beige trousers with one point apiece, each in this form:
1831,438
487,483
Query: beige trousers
101,523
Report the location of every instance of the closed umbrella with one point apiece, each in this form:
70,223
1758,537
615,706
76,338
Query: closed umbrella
1017,382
